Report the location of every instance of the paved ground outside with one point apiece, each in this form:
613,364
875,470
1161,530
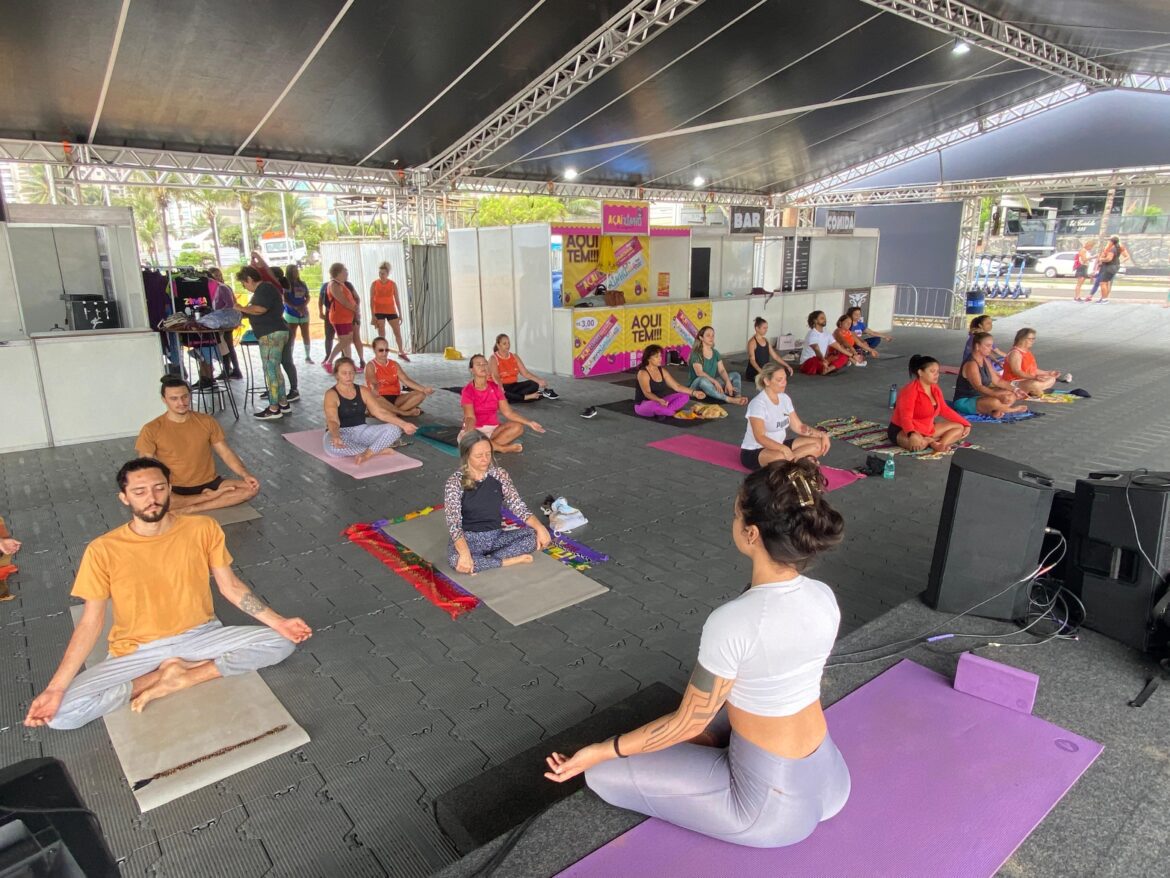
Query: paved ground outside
401,702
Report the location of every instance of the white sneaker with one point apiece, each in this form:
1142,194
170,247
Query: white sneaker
862,363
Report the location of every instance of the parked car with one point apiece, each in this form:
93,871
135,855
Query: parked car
1061,265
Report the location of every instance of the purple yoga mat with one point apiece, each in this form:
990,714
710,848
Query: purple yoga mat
943,784
310,442
727,456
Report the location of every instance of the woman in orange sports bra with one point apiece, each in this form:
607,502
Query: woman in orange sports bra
507,370
387,380
384,301
1020,366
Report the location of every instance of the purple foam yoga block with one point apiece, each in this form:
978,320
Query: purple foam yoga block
999,684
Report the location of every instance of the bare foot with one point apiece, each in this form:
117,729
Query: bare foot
174,676
519,559
513,448
363,457
1017,409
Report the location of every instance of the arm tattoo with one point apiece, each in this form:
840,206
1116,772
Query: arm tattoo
252,605
696,709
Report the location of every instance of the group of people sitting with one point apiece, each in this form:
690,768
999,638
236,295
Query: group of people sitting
849,344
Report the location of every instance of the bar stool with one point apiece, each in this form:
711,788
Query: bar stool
252,390
219,393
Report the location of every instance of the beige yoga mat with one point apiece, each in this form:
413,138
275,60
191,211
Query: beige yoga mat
520,593
233,514
197,737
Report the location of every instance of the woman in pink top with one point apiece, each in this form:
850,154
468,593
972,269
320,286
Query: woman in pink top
483,402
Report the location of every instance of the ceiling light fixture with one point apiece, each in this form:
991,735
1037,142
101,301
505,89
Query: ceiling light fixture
960,48
698,181
571,174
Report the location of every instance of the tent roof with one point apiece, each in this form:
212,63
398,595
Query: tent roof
223,77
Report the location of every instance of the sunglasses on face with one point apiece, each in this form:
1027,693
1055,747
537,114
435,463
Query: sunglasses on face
380,350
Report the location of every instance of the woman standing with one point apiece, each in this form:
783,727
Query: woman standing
1081,264
760,351
347,405
265,310
707,373
656,393
483,402
387,380
507,369
472,499
769,415
296,306
915,425
978,390
384,302
343,307
753,701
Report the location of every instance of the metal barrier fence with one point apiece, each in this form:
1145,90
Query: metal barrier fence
929,306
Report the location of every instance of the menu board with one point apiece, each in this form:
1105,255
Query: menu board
796,259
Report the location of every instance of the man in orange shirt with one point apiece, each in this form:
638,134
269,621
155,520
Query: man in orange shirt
384,299
153,573
184,440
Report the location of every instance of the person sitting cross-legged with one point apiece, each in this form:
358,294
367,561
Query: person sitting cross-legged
153,573
769,415
483,402
184,440
821,354
706,372
347,405
978,390
1020,366
858,350
656,393
472,499
389,380
915,424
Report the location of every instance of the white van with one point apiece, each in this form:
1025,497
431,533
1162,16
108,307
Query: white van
283,251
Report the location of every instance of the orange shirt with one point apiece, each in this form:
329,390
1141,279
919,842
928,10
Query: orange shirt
846,338
384,294
184,446
509,369
339,314
1027,363
387,382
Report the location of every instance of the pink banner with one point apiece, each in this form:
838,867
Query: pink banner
625,218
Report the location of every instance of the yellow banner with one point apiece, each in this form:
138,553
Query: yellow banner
582,272
607,340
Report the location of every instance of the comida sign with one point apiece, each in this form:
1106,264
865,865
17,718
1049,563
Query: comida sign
840,222
747,220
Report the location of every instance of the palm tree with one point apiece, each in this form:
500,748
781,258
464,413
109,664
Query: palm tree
295,209
146,220
162,200
209,201
247,201
34,187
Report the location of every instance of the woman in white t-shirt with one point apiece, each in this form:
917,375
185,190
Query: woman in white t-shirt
821,353
769,415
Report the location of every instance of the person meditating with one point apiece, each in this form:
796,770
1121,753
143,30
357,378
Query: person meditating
656,393
821,354
387,380
706,372
915,424
859,328
184,440
983,323
1020,366
154,572
856,348
472,499
747,757
507,370
483,402
769,415
347,405
761,351
978,390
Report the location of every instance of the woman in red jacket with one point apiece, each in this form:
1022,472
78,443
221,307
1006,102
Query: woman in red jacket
914,424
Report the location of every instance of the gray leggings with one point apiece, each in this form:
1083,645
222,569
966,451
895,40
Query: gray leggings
106,686
740,794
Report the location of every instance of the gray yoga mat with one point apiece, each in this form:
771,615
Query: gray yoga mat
520,593
233,514
197,737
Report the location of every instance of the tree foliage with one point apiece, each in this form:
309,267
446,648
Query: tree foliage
510,210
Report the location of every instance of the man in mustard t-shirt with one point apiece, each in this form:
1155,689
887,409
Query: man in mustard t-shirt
154,572
184,440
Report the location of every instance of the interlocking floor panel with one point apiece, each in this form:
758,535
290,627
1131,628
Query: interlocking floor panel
403,703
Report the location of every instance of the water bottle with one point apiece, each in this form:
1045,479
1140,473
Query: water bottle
893,395
888,468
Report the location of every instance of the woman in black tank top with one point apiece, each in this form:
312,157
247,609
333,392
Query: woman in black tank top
656,393
347,405
978,390
760,351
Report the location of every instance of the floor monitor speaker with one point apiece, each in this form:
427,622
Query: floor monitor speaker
990,535
1120,554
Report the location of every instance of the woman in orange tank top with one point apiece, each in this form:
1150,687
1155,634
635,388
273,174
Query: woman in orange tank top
507,369
401,392
384,301
1020,366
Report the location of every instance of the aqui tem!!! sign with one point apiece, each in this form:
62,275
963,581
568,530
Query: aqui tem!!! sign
840,222
747,220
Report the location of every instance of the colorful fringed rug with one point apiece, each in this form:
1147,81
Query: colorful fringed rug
871,436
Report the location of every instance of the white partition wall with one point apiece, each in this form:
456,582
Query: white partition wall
842,261
362,258
497,296
773,258
10,322
729,319
794,316
466,314
532,272
671,255
738,264
24,410
881,307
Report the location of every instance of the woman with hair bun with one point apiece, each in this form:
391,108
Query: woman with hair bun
750,723
915,425
769,415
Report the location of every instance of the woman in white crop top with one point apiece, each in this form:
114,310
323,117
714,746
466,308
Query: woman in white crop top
746,758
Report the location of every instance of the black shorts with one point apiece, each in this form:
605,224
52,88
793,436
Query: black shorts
183,491
892,432
1081,271
385,316
391,397
1108,272
750,457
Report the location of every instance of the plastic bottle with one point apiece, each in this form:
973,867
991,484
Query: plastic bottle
888,467
893,395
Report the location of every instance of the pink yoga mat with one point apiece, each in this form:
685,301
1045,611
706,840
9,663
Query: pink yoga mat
943,784
727,456
309,441
949,370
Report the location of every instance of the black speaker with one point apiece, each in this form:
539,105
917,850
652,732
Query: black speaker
1116,518
990,535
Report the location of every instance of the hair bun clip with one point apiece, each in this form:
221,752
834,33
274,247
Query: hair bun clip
803,489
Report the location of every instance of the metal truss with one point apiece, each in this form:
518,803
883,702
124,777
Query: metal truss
129,166
968,236
624,33
501,186
996,35
960,190
1146,82
982,125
